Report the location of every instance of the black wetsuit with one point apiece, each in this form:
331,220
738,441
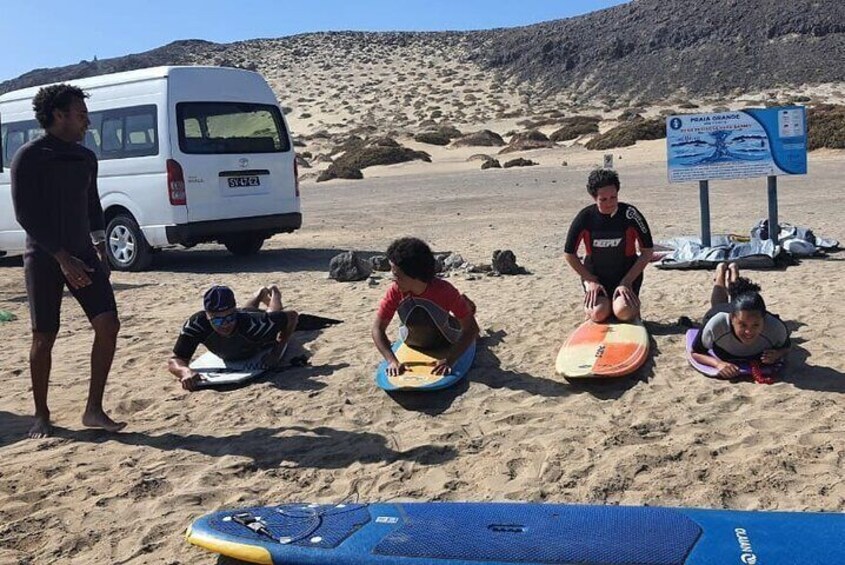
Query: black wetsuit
255,331
54,192
610,242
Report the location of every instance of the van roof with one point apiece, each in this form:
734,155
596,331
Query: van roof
125,77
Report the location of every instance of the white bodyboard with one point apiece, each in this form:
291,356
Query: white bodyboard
215,371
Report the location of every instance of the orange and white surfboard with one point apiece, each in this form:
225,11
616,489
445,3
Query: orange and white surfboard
603,350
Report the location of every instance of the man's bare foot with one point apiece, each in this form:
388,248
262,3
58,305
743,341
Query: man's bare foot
41,428
263,296
101,420
274,303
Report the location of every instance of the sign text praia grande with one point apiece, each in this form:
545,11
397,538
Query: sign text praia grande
731,145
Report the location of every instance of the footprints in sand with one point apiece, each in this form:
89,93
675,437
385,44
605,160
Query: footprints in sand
638,434
25,534
516,467
149,487
133,406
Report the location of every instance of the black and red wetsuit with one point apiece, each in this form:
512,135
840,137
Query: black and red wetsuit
611,243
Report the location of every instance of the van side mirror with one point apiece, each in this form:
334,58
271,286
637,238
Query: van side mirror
1,146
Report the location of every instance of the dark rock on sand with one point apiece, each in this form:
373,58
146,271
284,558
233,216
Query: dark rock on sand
629,133
453,262
504,262
520,162
483,138
348,267
528,140
432,138
371,155
340,171
383,142
576,126
380,263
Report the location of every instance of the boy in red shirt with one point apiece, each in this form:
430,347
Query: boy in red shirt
433,313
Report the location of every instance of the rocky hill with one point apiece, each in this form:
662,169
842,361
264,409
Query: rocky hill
650,49
638,53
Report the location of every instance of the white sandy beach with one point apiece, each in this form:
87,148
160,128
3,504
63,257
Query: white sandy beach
515,432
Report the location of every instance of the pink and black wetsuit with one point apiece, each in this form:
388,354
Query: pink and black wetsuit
429,320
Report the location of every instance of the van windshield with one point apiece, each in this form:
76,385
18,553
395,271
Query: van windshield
231,127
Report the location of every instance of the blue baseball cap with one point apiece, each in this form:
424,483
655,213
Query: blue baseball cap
218,298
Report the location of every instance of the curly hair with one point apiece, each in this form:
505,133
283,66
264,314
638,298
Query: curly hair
742,285
55,96
600,178
414,257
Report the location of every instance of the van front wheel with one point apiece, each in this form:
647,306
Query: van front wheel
244,244
126,245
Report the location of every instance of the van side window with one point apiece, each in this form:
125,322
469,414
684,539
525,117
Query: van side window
15,135
92,137
140,132
12,141
33,131
124,132
112,135
231,127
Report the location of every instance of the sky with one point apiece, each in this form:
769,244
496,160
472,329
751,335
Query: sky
53,33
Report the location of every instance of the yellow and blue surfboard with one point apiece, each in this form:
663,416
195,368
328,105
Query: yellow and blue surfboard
455,533
419,364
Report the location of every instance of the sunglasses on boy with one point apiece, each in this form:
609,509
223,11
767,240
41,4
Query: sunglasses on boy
218,321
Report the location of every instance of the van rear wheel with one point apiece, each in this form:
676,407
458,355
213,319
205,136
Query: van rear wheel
244,244
126,245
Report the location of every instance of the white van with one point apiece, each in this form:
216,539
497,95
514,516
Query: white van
186,155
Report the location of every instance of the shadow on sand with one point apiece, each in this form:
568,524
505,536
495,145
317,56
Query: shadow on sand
14,427
804,375
207,261
318,448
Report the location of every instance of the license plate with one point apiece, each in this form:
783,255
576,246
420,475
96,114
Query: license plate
241,182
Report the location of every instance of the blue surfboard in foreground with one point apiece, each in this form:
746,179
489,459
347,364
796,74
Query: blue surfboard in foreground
512,533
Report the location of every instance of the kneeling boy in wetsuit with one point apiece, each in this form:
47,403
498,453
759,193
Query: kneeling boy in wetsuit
612,232
433,313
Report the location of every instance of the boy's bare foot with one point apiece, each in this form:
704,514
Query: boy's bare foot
101,420
41,428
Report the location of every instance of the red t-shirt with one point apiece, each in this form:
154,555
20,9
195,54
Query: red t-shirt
438,291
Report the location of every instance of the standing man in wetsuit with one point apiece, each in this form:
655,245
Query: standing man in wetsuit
612,233
54,192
